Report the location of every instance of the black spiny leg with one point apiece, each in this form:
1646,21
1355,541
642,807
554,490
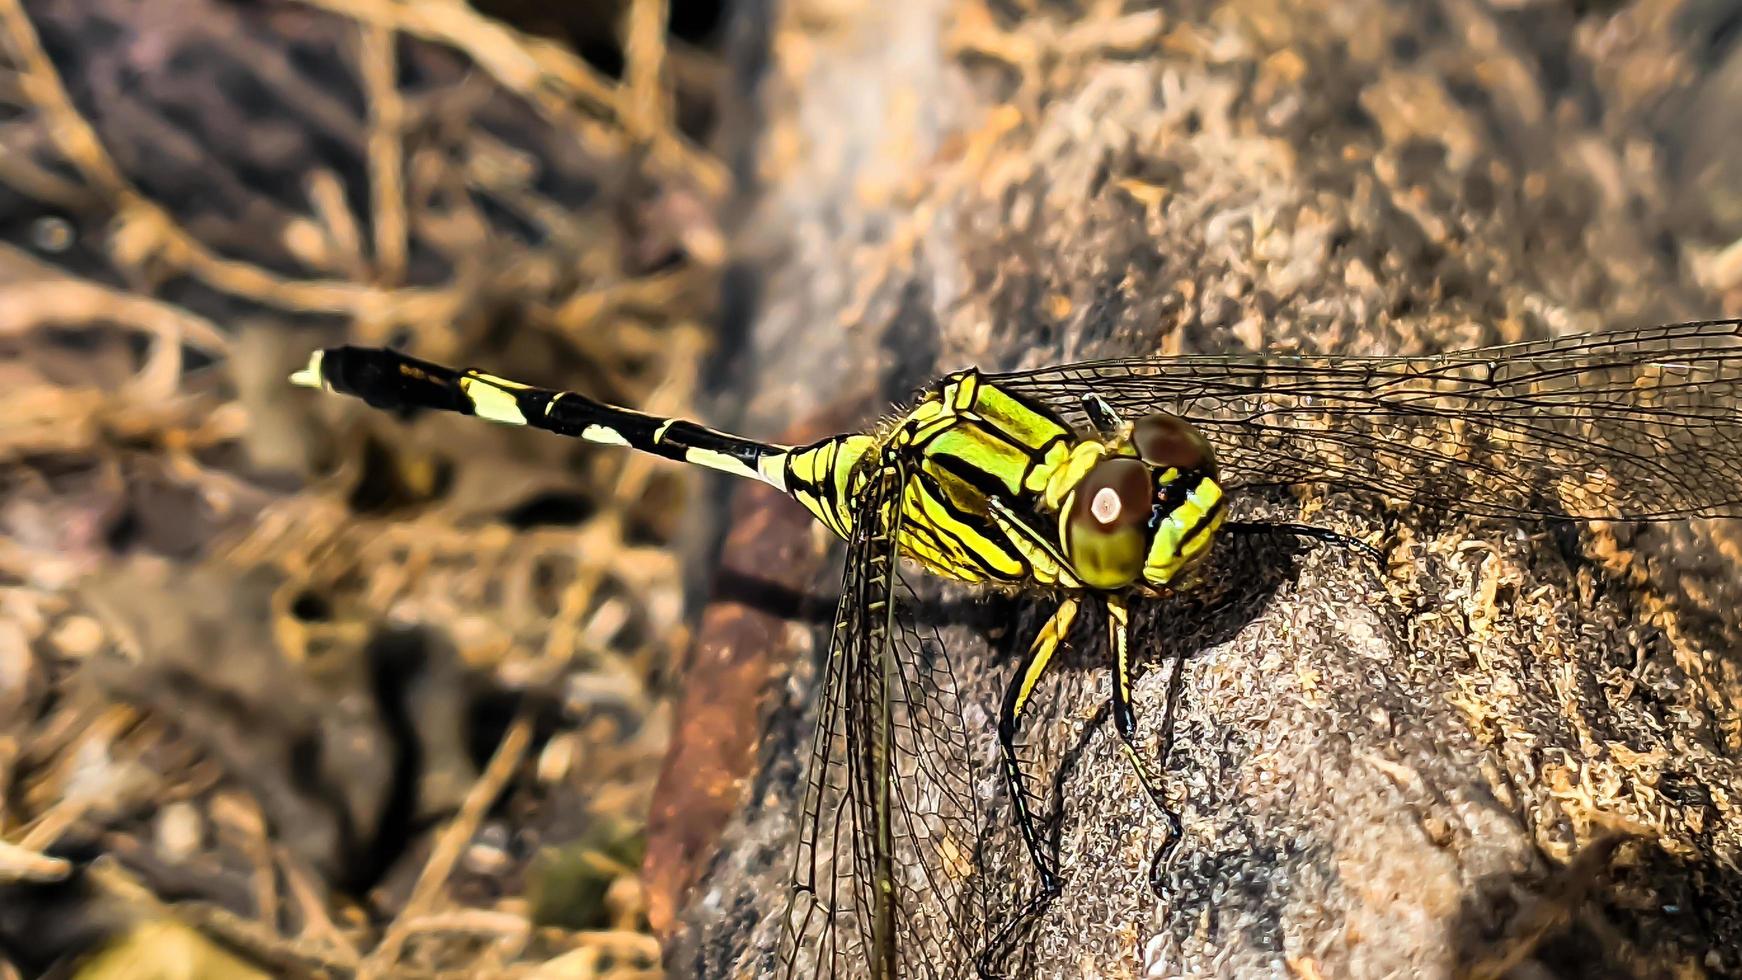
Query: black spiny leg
1125,719
1163,853
1016,696
1311,532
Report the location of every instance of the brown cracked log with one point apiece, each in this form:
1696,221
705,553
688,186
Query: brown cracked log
1513,749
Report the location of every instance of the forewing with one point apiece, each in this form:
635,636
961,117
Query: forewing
1637,424
887,837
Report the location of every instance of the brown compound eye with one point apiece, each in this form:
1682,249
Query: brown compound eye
1106,527
1168,441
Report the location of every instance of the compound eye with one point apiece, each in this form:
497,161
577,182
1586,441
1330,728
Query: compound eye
1106,525
1168,441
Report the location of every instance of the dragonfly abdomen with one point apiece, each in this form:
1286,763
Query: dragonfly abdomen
388,379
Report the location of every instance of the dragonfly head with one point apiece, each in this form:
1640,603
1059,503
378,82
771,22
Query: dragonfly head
1147,510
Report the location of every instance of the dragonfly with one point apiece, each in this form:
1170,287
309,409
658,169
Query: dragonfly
1100,484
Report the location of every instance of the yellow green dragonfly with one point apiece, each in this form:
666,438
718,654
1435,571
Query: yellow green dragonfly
1101,483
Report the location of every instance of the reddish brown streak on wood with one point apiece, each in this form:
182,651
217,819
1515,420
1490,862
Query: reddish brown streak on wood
725,678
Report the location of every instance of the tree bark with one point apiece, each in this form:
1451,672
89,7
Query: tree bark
1510,750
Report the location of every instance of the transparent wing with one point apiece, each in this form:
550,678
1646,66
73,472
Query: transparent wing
887,837
941,914
829,930
1638,424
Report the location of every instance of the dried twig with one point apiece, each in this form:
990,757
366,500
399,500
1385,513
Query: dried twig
261,942
547,74
341,235
18,863
450,844
386,151
317,924
644,63
18,169
145,231
75,302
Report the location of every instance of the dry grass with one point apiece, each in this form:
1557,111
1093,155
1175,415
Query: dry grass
254,643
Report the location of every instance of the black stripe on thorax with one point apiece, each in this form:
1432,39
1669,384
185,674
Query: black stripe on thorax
1203,524
987,483
979,522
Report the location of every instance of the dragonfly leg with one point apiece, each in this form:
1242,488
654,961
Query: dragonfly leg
1125,720
1016,695
1311,532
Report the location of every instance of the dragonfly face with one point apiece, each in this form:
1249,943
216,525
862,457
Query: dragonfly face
1147,511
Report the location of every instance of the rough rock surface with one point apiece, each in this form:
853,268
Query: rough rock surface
1415,769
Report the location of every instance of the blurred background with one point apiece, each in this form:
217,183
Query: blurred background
292,687
357,695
